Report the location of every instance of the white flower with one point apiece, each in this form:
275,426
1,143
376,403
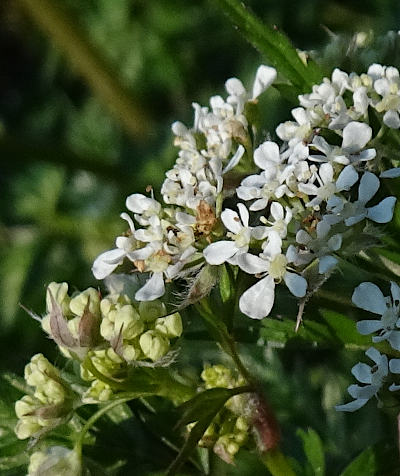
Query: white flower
241,234
355,137
369,297
270,183
126,246
328,186
354,212
143,207
387,85
280,219
373,378
320,247
258,300
294,132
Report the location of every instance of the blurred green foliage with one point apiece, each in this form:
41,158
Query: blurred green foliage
67,164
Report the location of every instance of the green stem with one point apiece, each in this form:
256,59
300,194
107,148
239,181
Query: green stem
277,463
89,63
92,420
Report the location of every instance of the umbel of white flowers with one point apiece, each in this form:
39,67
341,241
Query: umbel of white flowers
369,297
295,202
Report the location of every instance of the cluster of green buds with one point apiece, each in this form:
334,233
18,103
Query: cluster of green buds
50,403
230,430
108,335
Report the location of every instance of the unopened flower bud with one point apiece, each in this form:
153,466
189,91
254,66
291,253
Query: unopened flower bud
98,392
170,326
154,345
217,376
60,295
79,302
151,310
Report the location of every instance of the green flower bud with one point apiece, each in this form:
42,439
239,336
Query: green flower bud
60,295
131,352
170,326
26,427
55,461
112,302
106,362
154,345
125,320
217,376
98,392
79,302
151,310
39,371
226,448
51,402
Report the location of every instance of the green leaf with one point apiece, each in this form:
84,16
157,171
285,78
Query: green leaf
314,450
273,45
364,464
204,403
345,330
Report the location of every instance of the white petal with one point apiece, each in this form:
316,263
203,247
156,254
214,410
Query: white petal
335,242
383,212
376,71
303,237
153,289
352,406
127,218
394,366
274,244
259,205
395,290
265,76
326,173
252,264
297,284
276,211
266,153
258,300
356,219
219,252
355,136
235,87
391,119
234,160
300,115
369,297
326,263
231,220
362,372
391,173
367,154
321,144
105,263
394,339
347,178
376,356
244,214
368,326
369,185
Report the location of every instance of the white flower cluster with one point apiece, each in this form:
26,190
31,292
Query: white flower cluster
369,297
299,209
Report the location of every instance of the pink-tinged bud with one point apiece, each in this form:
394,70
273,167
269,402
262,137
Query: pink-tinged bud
265,424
